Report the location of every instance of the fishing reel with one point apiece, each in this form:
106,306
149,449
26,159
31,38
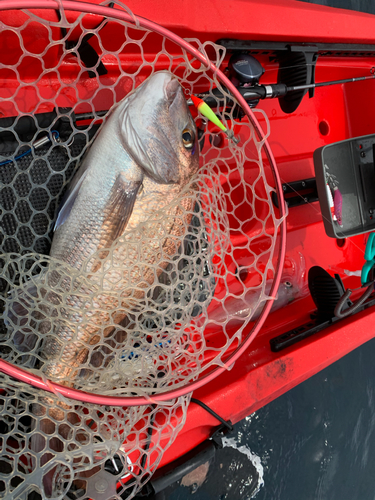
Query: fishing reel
245,71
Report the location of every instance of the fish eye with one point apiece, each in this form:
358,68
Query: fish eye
188,138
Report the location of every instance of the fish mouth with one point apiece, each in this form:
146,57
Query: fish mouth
171,90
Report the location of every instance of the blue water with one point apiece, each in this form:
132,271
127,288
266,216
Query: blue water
316,442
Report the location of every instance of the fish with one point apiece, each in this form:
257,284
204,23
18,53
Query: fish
144,157
133,196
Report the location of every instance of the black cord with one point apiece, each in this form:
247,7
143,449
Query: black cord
130,483
86,52
213,413
64,30
90,116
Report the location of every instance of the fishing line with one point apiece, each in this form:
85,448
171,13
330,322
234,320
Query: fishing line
53,137
316,67
316,209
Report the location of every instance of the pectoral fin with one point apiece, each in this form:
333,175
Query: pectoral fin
117,214
120,207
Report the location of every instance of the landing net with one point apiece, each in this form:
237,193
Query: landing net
148,325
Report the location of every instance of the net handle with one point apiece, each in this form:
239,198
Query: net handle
38,382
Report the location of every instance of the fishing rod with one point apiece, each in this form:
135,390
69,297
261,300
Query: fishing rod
252,94
271,91
245,72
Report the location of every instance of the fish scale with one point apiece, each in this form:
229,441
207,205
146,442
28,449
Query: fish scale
123,288
110,251
137,167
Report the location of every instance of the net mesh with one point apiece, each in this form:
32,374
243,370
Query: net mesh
153,311
53,448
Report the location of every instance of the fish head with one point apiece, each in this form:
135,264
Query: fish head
159,132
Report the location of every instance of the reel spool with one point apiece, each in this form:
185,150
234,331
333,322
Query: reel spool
66,69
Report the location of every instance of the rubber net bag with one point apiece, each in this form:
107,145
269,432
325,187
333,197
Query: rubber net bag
152,312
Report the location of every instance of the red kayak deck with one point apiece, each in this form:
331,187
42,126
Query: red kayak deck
258,20
333,114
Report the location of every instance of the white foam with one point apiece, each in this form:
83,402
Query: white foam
254,459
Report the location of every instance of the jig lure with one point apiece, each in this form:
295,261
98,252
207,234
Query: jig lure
207,112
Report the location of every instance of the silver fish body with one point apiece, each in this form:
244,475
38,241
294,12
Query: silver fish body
125,213
141,144
140,163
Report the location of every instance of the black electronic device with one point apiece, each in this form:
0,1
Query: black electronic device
345,178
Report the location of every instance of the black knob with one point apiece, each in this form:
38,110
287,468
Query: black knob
245,68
